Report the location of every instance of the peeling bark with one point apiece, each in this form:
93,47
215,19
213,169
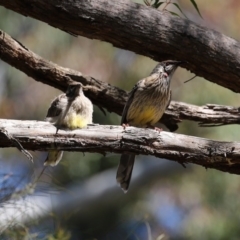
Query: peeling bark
35,135
145,31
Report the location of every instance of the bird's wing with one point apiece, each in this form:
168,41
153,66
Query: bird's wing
128,103
56,107
141,84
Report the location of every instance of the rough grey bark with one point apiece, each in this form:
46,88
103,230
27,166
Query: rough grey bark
143,30
103,94
35,135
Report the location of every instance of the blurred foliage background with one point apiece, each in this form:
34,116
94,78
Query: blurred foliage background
178,203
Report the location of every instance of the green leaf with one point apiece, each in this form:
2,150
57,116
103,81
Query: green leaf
157,4
173,13
177,6
196,7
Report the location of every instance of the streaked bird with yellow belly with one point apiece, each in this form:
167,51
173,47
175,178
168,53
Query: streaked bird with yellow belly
145,106
69,110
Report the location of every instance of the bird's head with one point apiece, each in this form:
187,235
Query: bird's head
74,90
167,67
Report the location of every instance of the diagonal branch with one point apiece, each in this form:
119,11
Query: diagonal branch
103,94
16,143
35,135
143,30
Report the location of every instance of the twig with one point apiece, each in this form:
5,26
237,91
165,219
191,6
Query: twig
17,144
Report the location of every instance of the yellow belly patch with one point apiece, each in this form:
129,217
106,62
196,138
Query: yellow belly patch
75,121
149,115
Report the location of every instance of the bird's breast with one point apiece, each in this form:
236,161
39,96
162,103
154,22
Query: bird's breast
147,110
74,121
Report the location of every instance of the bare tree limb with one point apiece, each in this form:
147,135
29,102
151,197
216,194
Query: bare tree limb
103,94
207,115
16,143
35,135
143,30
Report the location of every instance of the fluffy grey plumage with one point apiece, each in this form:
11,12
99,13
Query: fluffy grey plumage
69,110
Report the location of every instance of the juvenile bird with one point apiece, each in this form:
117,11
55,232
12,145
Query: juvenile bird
145,106
69,110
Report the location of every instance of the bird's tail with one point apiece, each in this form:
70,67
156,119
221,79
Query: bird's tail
53,158
124,171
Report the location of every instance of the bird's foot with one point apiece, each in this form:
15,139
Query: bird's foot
124,125
158,129
155,128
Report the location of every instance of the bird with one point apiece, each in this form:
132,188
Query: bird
145,106
68,110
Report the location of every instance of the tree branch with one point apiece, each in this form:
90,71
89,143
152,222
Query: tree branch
143,30
208,115
103,94
35,135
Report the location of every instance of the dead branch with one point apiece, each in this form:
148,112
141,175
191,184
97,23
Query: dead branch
16,143
103,94
143,30
36,135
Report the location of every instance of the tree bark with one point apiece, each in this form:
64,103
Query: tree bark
41,136
143,30
103,94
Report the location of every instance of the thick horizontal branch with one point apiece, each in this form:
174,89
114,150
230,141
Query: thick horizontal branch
34,135
143,30
103,94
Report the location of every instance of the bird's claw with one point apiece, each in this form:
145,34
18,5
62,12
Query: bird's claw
158,129
124,125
